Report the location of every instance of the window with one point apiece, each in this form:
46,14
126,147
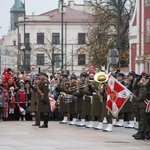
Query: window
27,37
81,38
40,38
14,43
27,59
55,38
147,2
148,30
57,60
40,59
81,59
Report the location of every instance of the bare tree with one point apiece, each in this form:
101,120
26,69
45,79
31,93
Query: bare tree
109,30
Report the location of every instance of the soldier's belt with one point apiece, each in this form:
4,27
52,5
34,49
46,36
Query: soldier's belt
91,97
69,98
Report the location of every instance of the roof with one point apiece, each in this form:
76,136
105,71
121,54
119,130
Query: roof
71,15
18,6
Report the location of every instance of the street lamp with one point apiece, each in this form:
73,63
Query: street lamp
62,22
118,30
24,50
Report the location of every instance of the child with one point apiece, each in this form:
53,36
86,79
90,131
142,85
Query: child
5,109
1,102
21,99
11,103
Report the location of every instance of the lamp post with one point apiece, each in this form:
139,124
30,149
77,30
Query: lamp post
62,34
24,49
118,31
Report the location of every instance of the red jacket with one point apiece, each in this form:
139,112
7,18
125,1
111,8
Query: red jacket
21,96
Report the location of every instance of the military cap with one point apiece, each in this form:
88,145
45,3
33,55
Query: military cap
73,77
36,78
83,75
65,75
43,73
131,73
120,74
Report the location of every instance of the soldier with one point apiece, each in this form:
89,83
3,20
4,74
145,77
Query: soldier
62,86
128,105
88,100
120,123
71,102
79,100
34,96
43,99
135,91
144,84
102,78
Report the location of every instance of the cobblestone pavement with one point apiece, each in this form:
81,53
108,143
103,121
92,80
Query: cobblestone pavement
19,135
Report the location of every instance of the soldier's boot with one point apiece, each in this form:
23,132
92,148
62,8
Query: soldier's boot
130,125
99,127
64,121
139,137
136,134
45,124
147,135
73,122
90,125
105,120
120,123
82,123
109,128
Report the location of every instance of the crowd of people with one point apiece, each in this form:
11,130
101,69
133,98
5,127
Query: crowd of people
74,100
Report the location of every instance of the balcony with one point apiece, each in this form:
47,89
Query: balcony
27,46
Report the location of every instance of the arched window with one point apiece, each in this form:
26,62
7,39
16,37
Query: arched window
148,30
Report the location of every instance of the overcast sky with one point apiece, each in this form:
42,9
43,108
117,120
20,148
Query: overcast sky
32,6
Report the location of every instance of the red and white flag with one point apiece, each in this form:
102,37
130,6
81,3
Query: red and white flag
147,102
117,95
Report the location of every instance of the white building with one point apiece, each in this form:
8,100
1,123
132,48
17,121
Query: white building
43,34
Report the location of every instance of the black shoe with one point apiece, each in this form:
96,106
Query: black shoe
139,137
147,137
43,126
136,134
36,124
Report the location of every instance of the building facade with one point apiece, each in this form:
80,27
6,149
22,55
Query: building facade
38,39
139,37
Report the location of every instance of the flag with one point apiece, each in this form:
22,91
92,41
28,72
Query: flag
52,103
117,95
21,110
147,102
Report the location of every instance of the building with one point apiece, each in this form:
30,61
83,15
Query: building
37,38
139,37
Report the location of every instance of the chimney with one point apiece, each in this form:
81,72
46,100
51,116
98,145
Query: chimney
71,3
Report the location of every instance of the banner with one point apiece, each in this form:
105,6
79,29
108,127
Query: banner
117,95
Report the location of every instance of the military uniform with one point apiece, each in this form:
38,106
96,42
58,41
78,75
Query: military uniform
62,86
43,104
143,117
34,96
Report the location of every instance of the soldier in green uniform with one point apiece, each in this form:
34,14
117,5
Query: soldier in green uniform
128,107
63,108
120,120
79,101
71,101
144,84
102,79
88,100
34,96
43,99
